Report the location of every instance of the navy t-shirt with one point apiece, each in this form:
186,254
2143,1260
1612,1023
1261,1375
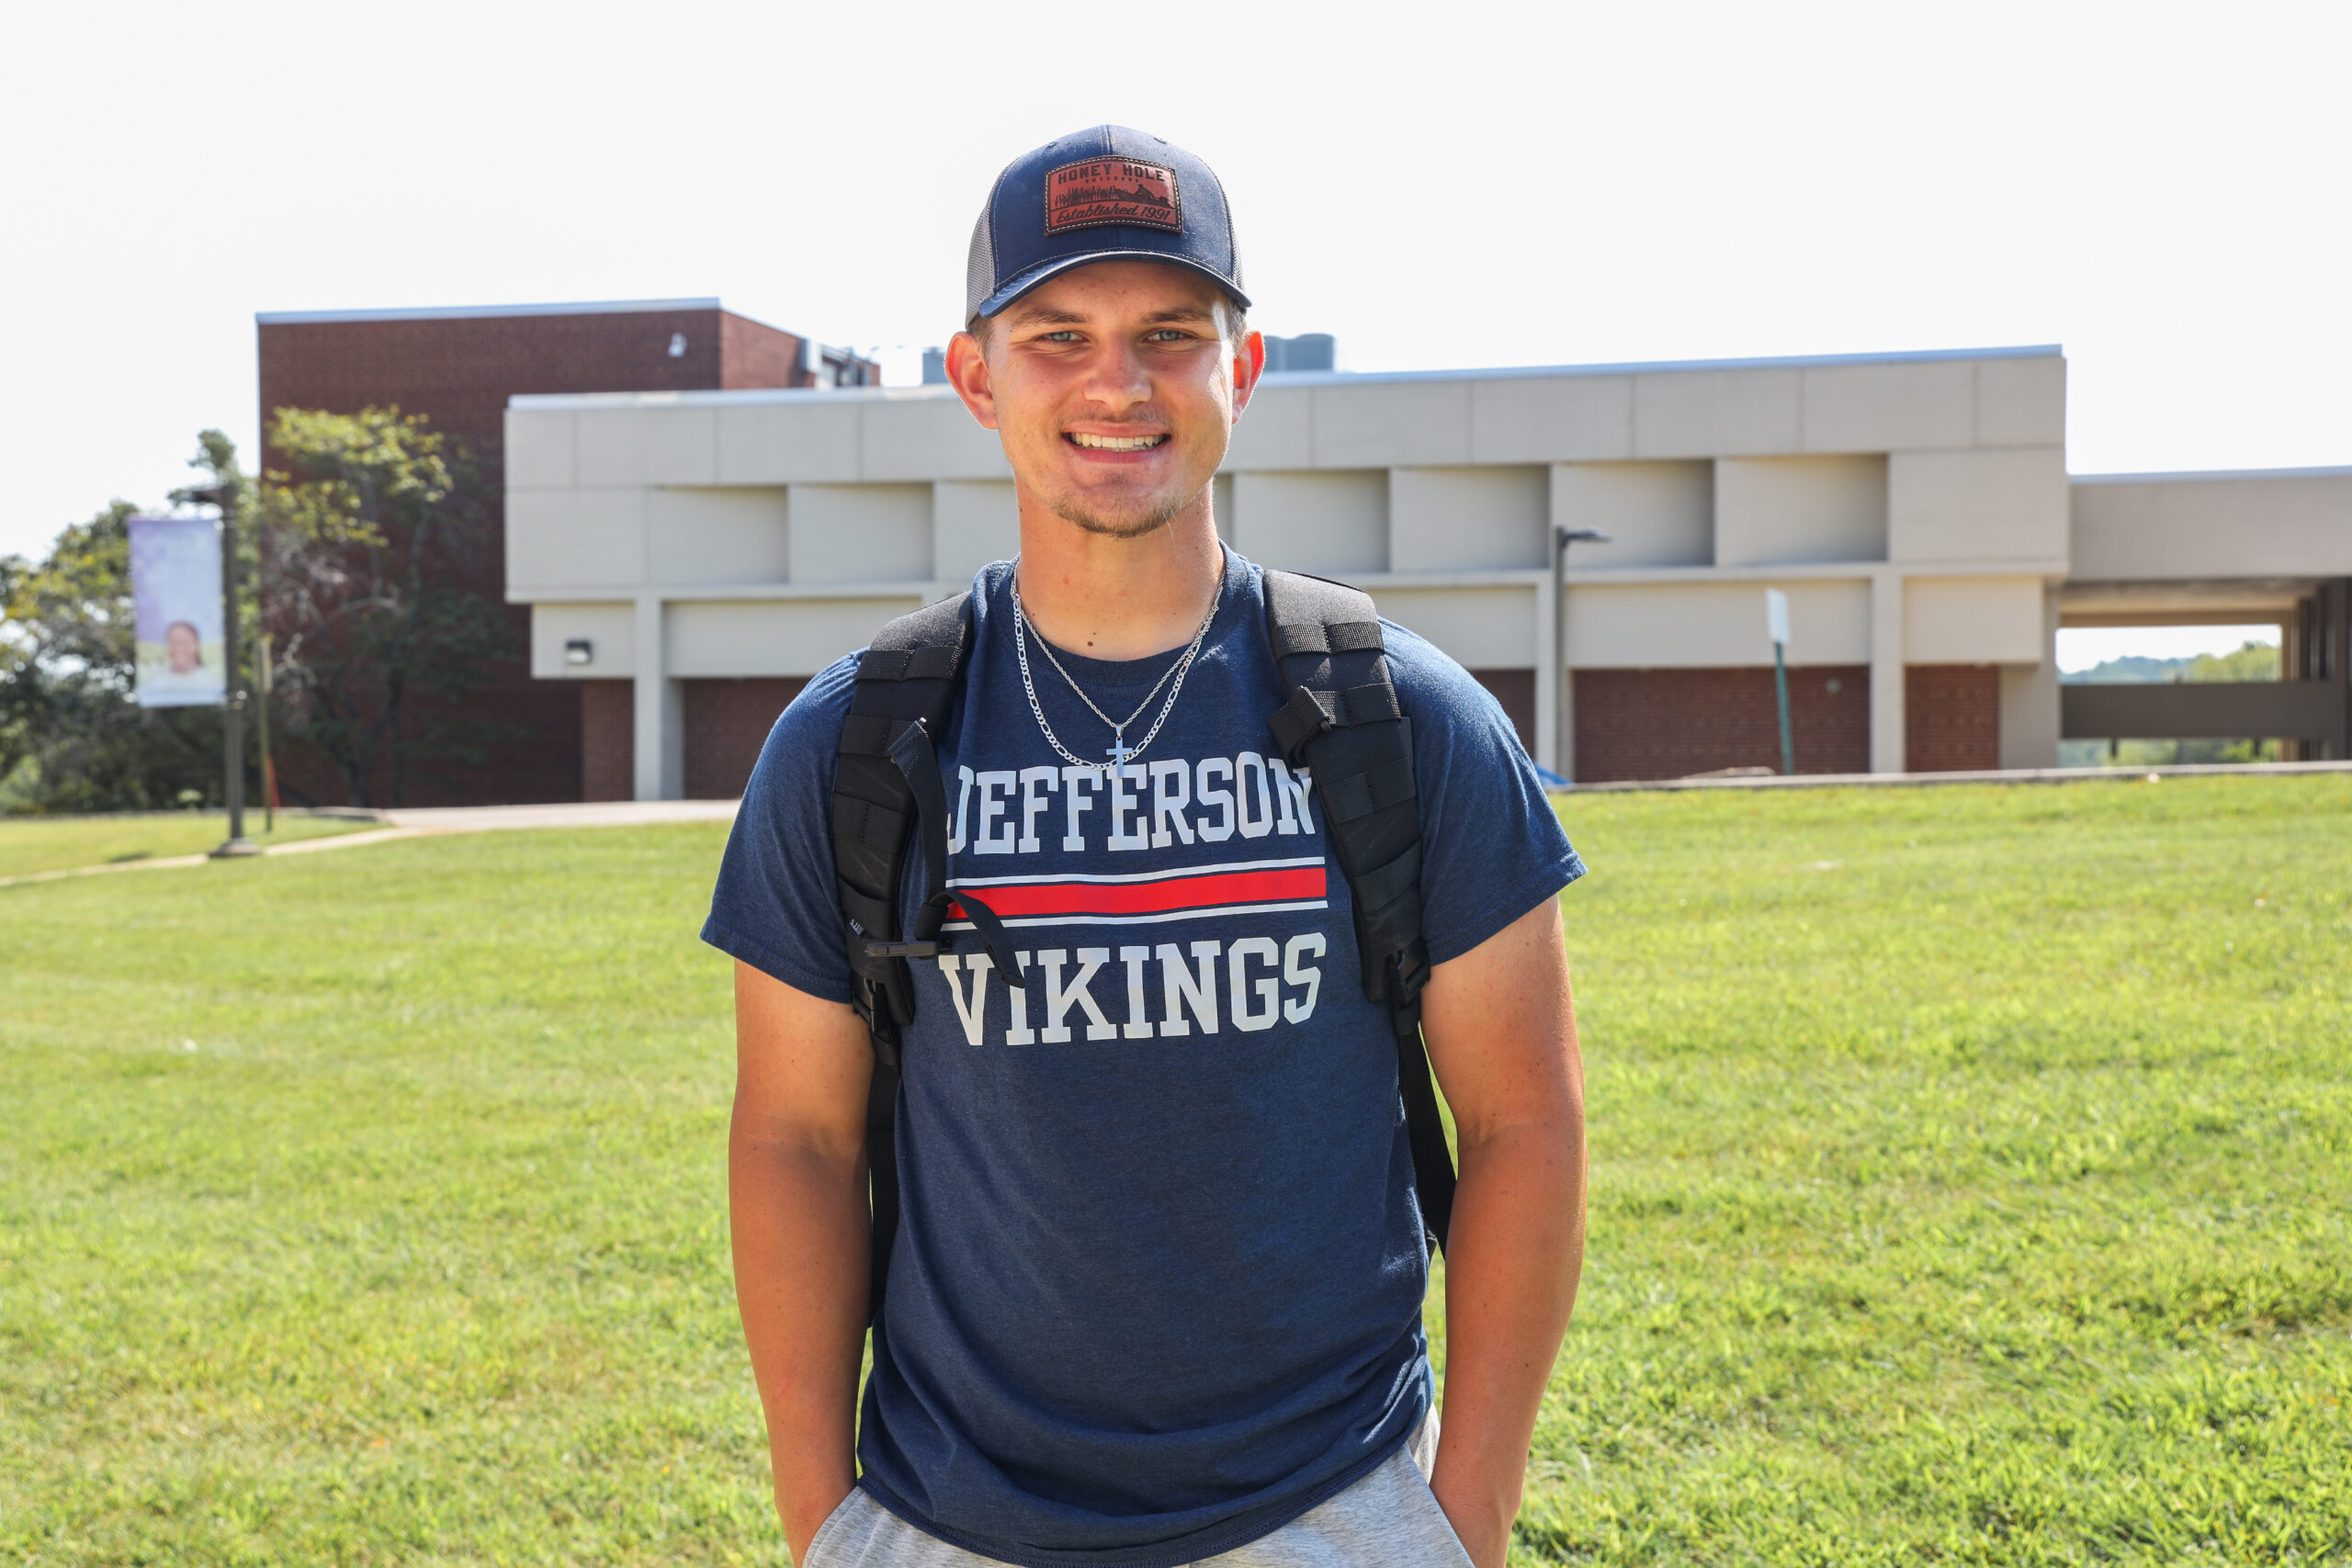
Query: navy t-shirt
1158,1281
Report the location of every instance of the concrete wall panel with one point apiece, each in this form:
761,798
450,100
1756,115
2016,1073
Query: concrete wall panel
973,522
860,533
1549,420
1713,413
1886,408
611,630
2195,527
1774,510
2003,503
1276,431
1331,524
734,534
1971,620
1486,627
1467,519
653,444
574,538
538,448
788,442
801,637
1385,423
2021,402
1714,625
924,437
1657,513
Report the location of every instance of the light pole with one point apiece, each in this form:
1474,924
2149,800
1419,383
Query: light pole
1563,709
261,714
1776,625
232,724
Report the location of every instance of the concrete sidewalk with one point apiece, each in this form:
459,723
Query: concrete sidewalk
423,822
1765,779
590,814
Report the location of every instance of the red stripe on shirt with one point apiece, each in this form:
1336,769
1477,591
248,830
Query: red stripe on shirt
1035,898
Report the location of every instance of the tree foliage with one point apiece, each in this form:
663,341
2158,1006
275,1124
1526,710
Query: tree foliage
368,535
355,555
2248,661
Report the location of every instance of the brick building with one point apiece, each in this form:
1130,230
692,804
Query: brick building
459,368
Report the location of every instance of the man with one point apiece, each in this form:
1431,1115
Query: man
1154,1297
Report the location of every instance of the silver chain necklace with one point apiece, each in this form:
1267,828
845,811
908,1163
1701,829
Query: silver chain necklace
1119,751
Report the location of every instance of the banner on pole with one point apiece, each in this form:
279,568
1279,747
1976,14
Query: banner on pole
175,609
1776,615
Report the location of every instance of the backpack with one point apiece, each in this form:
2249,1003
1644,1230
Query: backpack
1340,719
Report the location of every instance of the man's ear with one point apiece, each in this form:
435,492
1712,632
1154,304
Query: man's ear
1249,364
967,372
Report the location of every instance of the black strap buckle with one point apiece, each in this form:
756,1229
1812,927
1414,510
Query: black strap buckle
902,950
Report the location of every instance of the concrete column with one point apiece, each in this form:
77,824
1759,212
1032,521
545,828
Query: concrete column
2029,698
1547,683
2338,599
1886,672
660,731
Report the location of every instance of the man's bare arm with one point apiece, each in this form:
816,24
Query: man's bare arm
796,1168
1502,1037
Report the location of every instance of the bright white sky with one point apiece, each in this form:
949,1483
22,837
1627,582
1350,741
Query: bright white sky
2080,647
2158,186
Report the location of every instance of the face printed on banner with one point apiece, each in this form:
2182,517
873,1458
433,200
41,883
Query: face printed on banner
183,650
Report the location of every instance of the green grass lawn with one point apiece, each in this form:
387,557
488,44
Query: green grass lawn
1970,1176
58,843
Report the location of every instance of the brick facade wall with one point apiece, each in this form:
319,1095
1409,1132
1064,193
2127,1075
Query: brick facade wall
1515,689
1951,718
1666,724
725,723
1631,723
607,740
752,354
459,372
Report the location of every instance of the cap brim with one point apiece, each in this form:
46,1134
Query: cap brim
1059,265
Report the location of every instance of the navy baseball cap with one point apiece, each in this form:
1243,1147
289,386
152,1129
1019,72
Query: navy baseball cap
1107,194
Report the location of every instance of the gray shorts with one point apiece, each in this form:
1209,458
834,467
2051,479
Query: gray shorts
1388,1519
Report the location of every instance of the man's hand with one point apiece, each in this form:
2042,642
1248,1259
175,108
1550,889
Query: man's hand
796,1168
1502,1037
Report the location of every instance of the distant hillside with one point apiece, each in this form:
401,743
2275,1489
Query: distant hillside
2136,669
2251,662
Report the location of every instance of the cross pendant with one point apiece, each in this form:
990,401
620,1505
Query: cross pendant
1118,751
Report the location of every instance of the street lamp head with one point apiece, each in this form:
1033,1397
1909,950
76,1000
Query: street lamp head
1583,537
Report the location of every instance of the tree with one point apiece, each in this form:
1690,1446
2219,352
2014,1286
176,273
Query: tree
73,737
2249,660
368,535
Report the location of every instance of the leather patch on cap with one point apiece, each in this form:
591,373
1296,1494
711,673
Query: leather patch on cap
1113,190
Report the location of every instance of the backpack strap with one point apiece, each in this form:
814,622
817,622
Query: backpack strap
885,783
1340,720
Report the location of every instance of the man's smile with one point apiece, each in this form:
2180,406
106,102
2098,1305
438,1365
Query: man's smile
1116,442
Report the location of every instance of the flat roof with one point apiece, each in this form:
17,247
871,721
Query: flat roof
1300,378
465,313
2189,476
